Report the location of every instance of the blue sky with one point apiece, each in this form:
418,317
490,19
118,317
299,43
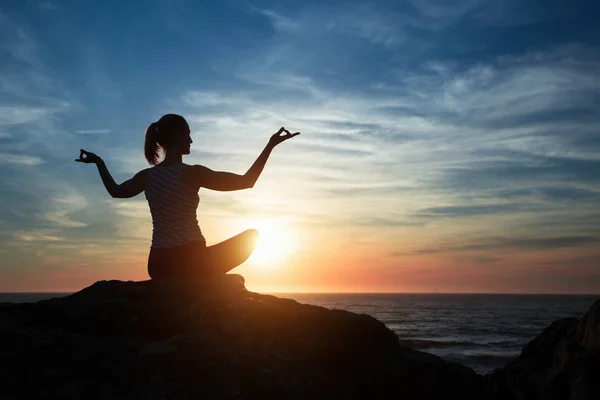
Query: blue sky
453,146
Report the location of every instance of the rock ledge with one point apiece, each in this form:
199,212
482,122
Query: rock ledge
178,340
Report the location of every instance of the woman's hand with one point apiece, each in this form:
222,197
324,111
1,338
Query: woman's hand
90,158
278,137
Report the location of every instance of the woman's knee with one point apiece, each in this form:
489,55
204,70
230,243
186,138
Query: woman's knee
251,236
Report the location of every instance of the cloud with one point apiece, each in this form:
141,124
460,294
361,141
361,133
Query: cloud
48,5
511,244
93,131
37,235
474,210
14,115
280,22
407,25
436,143
62,206
137,209
32,99
18,41
19,159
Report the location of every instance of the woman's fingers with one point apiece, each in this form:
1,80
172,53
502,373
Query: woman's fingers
278,137
290,135
85,156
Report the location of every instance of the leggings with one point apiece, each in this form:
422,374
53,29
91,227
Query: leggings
195,259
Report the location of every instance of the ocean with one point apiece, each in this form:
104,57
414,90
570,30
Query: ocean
482,331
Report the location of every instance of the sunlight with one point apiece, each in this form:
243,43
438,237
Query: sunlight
276,242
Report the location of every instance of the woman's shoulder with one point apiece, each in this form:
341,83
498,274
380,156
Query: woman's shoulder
190,175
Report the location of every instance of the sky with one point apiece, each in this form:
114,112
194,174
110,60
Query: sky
446,146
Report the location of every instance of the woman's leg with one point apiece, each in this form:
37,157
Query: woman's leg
225,256
195,259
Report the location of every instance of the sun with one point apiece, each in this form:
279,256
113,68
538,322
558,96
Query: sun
276,242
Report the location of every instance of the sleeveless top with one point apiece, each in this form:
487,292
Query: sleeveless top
173,208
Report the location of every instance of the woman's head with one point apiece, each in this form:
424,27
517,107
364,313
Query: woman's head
171,133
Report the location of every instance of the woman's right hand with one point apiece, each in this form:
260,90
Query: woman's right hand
90,158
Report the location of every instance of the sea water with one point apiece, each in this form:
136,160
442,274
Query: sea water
482,331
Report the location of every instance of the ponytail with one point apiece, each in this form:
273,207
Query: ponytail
151,144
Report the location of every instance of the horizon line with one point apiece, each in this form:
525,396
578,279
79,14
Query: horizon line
341,293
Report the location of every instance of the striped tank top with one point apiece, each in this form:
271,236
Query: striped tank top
173,208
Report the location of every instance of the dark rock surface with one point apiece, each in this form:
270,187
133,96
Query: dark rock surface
563,362
216,340
165,340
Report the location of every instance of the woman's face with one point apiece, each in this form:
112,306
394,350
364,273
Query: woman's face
185,140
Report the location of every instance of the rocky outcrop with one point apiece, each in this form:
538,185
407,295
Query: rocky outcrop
215,340
176,339
563,362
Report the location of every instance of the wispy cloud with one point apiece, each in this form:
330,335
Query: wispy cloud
19,159
19,43
435,148
133,209
15,115
39,235
512,244
93,131
280,22
61,208
48,5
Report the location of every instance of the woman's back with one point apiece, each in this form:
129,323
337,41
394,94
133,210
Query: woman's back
173,207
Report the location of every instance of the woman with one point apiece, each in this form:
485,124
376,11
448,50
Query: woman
178,247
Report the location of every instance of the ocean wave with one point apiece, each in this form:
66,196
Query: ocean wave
459,344
483,362
491,357
516,331
503,343
429,343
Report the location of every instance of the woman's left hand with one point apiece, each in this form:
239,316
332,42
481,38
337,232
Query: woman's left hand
278,137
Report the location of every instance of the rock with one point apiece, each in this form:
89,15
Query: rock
576,369
590,327
563,362
214,339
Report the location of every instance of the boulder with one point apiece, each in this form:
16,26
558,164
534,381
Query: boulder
563,362
163,339
215,339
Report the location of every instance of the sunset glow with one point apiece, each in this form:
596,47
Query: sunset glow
445,146
275,245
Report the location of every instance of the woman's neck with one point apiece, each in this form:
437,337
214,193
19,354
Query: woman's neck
171,160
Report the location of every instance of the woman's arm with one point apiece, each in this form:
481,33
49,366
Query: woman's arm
129,188
107,179
201,176
251,176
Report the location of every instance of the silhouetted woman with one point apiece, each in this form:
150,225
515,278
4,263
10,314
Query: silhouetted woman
178,247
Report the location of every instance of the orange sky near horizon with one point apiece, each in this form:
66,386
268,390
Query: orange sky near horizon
318,261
